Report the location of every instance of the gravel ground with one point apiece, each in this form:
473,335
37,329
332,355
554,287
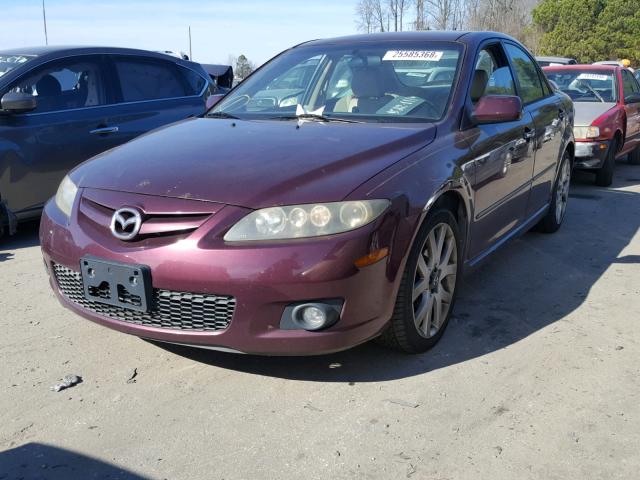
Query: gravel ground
537,377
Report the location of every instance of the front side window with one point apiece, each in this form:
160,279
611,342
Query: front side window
9,62
146,79
526,74
585,85
629,83
65,86
492,75
390,82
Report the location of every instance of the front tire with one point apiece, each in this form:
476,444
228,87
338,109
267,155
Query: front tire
604,176
551,222
428,287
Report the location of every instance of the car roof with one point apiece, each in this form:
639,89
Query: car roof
582,66
440,36
55,51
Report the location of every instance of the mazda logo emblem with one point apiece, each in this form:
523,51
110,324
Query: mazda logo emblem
126,223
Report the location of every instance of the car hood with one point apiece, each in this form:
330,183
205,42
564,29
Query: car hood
253,163
587,112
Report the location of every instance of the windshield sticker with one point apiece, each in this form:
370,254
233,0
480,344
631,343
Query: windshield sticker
430,55
593,76
400,106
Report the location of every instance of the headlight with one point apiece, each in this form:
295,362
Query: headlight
300,221
586,132
66,195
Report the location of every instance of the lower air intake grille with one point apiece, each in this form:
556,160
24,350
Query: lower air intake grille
169,309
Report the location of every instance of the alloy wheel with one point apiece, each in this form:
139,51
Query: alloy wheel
435,280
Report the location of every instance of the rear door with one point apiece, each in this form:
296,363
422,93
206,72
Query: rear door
152,92
549,119
503,157
632,110
41,146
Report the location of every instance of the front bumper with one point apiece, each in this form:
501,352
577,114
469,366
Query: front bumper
591,155
263,280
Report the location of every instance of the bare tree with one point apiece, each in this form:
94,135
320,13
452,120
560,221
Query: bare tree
365,17
372,16
397,9
420,22
508,16
446,14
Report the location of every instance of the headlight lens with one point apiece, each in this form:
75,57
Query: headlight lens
301,221
586,132
66,195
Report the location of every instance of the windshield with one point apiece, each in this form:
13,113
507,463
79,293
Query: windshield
586,85
391,82
9,62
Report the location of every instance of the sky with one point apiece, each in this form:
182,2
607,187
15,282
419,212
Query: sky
258,29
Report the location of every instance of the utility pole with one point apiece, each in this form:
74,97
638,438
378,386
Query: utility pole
190,53
44,19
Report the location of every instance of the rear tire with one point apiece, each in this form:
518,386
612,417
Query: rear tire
551,222
604,176
428,288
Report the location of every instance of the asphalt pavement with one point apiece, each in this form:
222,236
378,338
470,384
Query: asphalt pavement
537,377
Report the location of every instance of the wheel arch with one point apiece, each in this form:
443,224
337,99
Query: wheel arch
457,198
619,136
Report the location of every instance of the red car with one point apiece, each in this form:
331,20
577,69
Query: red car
312,222
607,123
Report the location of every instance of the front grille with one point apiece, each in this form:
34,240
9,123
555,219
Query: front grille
169,309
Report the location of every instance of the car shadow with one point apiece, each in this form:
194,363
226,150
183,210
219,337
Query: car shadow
26,236
40,461
532,283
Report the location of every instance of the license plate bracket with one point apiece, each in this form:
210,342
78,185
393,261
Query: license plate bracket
118,284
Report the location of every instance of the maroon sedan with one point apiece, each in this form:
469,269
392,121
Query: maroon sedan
311,215
607,119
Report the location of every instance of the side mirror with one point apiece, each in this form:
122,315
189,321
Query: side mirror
497,109
213,99
15,102
632,98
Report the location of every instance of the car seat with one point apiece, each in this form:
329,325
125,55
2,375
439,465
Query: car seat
478,85
368,90
49,93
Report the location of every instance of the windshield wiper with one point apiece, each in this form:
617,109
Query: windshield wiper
592,90
314,116
221,115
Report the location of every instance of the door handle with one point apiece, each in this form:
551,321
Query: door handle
104,130
528,133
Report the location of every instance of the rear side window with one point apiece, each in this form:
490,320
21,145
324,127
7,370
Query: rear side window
526,73
194,82
148,80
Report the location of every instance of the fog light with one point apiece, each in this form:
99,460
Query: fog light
313,317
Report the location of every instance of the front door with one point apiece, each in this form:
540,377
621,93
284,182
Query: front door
43,145
632,110
504,158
